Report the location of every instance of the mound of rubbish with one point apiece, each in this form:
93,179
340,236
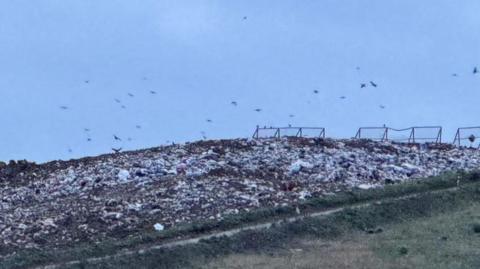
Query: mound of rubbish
118,195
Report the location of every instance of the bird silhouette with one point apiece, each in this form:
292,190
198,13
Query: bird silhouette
315,91
116,150
471,138
209,120
117,138
258,109
70,150
117,100
454,75
291,115
89,139
130,94
129,139
373,84
343,97
123,106
244,17
234,103
363,85
138,126
382,106
153,92
86,129
64,107
475,70
87,81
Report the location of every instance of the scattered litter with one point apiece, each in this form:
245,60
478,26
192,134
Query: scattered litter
158,227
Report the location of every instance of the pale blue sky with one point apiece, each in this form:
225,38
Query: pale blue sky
200,55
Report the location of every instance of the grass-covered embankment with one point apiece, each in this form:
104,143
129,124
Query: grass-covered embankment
444,240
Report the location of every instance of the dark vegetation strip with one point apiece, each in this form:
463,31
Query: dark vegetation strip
251,240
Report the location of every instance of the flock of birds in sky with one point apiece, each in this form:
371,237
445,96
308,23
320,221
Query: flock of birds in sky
115,137
234,103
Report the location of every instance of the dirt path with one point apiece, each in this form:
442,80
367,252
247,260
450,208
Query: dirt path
233,232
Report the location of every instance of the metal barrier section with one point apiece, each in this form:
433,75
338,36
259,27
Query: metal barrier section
467,137
372,133
416,134
278,132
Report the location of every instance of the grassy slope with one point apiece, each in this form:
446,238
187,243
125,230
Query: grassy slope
443,241
276,238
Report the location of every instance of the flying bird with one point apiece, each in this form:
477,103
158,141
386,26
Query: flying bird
373,84
117,100
129,139
117,138
138,126
471,138
64,107
89,139
454,75
258,109
234,103
153,92
315,91
117,150
475,70
382,106
244,17
131,94
342,97
86,129
87,81
124,107
363,85
209,120
291,115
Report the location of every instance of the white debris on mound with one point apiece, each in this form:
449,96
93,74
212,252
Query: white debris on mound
158,227
298,165
366,186
123,175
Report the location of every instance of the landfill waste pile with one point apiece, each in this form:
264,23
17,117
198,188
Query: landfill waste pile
117,195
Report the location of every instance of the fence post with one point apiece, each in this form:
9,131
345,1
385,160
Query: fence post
357,135
457,137
255,134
